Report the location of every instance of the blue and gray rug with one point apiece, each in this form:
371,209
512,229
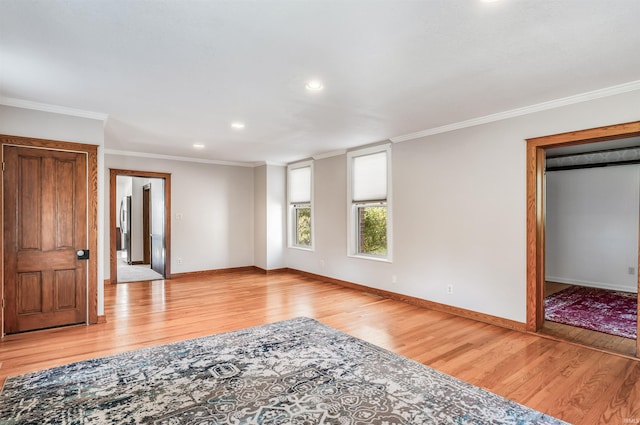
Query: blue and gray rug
293,372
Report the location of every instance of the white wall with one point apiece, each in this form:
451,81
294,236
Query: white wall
216,204
269,200
124,186
48,125
592,226
260,217
459,211
276,216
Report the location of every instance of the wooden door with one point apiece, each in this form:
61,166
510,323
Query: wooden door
45,224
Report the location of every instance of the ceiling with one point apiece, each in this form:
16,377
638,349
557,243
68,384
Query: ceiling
172,73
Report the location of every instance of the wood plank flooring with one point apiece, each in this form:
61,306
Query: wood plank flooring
576,384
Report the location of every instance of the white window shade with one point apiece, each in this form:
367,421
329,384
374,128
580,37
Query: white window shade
369,177
300,185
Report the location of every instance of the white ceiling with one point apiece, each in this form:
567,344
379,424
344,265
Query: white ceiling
173,73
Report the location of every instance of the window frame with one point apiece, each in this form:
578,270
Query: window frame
353,206
292,207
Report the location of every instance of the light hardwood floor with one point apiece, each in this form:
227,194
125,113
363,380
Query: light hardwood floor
576,384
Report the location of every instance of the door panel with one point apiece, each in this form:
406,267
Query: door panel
45,223
29,202
146,230
158,223
157,254
65,203
30,293
65,289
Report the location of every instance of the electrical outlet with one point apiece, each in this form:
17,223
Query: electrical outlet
449,289
322,263
179,260
631,270
394,279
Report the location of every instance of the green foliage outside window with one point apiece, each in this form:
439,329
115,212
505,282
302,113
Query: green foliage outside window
303,226
373,230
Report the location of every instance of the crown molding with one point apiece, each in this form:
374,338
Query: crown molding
584,97
301,163
37,106
274,163
179,158
329,154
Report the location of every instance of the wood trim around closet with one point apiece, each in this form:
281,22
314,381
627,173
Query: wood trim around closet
536,211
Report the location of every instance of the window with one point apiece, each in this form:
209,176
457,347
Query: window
369,206
371,229
300,205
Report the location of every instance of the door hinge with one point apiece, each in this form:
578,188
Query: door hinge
2,166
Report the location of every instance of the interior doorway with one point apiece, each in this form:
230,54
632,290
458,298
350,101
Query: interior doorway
536,159
145,235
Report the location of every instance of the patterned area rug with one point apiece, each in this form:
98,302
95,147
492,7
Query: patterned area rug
602,310
293,372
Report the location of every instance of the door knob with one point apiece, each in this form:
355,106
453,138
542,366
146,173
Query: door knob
83,254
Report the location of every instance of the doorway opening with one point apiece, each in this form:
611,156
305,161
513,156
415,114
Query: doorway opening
536,218
140,211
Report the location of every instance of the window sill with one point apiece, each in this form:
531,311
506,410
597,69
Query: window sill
370,257
301,248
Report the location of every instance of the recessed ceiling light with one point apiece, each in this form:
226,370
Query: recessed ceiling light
237,125
314,85
198,146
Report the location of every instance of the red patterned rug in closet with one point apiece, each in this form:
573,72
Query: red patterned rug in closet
602,310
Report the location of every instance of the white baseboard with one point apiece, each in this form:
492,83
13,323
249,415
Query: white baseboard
602,285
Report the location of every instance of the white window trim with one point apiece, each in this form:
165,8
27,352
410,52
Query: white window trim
290,210
352,220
